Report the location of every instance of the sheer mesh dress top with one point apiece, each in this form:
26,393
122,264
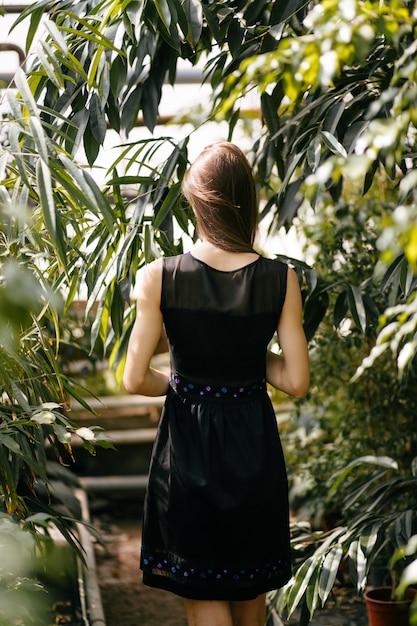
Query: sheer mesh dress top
215,521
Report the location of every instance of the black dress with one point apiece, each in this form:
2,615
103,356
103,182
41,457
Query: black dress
216,511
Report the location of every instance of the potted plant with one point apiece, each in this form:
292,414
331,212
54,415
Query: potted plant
396,604
380,512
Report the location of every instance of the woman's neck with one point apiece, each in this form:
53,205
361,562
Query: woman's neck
220,259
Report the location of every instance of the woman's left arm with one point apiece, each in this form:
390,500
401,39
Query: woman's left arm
290,371
139,377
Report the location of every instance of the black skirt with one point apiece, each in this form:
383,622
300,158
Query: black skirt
216,523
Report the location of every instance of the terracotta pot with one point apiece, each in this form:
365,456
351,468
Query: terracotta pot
382,611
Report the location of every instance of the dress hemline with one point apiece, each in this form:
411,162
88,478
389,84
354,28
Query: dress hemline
225,593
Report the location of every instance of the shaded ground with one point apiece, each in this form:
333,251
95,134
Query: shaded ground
127,602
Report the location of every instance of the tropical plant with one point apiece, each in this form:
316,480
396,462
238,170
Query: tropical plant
21,597
380,517
341,418
34,391
334,82
409,574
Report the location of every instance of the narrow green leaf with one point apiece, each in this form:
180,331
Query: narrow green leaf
15,107
314,153
97,119
406,277
102,202
25,92
94,66
340,308
281,11
393,269
312,595
50,65
35,18
329,572
56,35
333,144
168,204
10,443
20,398
5,158
91,33
270,112
39,138
194,12
235,36
131,180
357,307
14,131
91,145
301,582
379,461
43,178
148,242
164,13
76,130
358,565
117,309
78,176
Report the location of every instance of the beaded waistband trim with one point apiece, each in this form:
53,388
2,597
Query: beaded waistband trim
184,388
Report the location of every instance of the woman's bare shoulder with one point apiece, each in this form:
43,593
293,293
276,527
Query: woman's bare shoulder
149,278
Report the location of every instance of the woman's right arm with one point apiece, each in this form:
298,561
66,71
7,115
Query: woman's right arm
139,377
290,371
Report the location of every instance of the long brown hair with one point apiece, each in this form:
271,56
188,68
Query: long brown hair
220,188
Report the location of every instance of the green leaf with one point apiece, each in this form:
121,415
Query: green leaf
379,461
97,119
35,18
281,11
117,309
39,138
91,145
131,108
20,398
164,13
358,565
329,572
301,582
56,35
43,178
194,12
235,35
14,131
10,443
340,308
100,320
333,144
167,206
50,64
25,92
148,242
357,307
312,596
314,153
101,202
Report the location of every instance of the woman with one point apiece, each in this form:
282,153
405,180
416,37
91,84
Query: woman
216,529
